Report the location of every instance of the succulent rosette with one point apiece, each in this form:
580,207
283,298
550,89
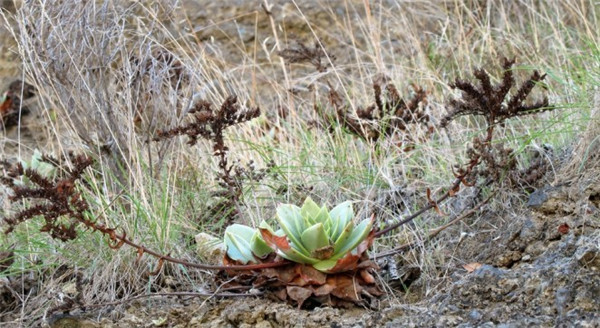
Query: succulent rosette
330,241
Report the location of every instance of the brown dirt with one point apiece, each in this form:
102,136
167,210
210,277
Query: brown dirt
539,267
540,263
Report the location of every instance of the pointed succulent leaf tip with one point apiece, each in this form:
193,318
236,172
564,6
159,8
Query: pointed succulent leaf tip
259,246
309,209
290,220
314,238
265,225
322,216
238,243
359,233
341,215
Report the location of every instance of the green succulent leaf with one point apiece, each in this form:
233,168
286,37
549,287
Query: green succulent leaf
259,246
343,237
309,208
326,265
293,255
340,216
322,216
238,243
291,222
359,233
315,238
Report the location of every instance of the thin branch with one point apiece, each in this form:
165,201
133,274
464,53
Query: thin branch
434,232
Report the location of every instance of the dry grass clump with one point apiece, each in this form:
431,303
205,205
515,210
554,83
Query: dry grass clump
110,75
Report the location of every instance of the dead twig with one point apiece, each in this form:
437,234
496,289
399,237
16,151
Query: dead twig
435,231
64,209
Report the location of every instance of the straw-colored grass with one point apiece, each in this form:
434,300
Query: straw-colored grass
110,74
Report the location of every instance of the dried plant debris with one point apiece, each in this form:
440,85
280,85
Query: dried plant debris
55,199
73,298
493,102
315,56
148,79
10,108
7,258
162,62
210,124
529,177
389,114
497,160
307,287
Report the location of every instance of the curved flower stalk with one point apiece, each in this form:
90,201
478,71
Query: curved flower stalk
327,240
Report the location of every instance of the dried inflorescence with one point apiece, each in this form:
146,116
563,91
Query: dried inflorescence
303,54
211,124
496,106
488,160
56,200
10,108
497,160
232,181
389,114
492,101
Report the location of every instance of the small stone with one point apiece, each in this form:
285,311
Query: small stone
537,198
209,248
589,257
488,271
264,324
70,289
475,315
508,259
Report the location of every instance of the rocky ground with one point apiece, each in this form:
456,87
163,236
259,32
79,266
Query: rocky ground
540,268
533,265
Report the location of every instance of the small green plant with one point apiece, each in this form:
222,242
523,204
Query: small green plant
327,240
326,249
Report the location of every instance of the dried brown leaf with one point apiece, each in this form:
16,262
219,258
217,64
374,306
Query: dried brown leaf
298,294
274,241
345,288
